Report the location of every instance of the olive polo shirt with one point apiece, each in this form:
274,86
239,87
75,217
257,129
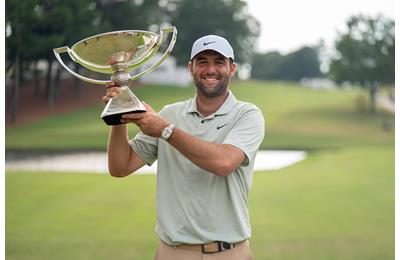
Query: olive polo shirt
193,205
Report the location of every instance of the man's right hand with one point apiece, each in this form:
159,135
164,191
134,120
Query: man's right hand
112,91
122,160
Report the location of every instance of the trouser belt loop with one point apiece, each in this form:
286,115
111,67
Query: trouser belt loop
219,246
226,245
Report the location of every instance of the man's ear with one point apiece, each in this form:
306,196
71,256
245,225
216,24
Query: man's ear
233,66
190,67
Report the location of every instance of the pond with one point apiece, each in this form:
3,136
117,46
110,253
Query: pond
96,162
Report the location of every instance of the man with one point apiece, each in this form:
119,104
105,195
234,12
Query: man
205,148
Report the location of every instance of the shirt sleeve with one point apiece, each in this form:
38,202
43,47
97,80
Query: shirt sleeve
145,147
247,133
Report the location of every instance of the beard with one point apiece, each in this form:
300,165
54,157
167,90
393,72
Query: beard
213,91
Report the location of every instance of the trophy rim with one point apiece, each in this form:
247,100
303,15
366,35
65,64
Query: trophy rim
112,32
103,68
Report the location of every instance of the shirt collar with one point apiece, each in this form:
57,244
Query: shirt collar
225,108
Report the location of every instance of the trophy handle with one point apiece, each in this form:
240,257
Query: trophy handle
59,50
165,55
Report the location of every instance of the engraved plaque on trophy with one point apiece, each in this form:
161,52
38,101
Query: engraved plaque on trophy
117,53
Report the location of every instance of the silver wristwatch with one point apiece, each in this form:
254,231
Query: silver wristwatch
166,132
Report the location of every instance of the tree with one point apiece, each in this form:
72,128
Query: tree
19,20
266,66
227,18
35,27
365,54
130,15
62,23
303,63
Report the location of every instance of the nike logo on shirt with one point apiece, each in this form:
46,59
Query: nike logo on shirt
220,126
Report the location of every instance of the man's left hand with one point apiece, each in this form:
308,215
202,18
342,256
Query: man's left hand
150,123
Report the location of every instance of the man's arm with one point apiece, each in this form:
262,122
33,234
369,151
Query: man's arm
122,160
220,159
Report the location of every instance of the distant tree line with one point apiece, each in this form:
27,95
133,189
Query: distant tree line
364,55
303,63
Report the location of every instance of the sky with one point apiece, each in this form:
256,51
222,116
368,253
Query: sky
287,25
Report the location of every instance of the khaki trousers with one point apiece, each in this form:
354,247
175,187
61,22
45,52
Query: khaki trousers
239,252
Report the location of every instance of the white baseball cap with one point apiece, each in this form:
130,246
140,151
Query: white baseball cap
212,42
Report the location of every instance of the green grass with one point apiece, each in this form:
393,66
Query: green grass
310,119
330,206
322,208
295,118
83,129
79,216
336,204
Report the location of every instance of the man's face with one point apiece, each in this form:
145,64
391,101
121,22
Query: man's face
211,72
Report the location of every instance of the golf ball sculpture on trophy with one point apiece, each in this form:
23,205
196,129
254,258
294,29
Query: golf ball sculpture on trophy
117,53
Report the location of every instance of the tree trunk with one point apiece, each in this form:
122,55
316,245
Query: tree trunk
48,76
77,82
50,82
36,79
15,89
373,90
57,82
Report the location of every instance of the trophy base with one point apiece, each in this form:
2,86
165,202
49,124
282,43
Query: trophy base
115,119
125,102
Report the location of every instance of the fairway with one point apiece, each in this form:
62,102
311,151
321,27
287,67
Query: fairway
337,204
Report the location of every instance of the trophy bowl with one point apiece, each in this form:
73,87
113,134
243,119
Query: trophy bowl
117,53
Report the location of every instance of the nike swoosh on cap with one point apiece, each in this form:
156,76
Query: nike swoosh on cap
207,43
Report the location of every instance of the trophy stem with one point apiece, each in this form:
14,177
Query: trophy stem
125,102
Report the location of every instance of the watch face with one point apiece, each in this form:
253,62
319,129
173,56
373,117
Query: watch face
166,133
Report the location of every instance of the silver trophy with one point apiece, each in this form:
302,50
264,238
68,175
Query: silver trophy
118,53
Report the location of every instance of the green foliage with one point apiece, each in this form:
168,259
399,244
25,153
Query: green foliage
227,18
365,53
19,20
303,63
39,26
266,66
131,15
